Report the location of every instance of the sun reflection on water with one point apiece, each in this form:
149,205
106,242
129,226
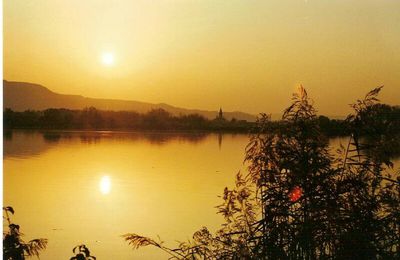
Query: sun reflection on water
105,185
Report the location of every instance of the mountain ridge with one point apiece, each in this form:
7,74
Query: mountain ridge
21,96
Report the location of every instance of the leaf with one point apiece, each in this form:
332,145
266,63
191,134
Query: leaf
35,246
137,241
9,209
73,250
14,226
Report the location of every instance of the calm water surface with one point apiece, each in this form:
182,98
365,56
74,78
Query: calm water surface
90,188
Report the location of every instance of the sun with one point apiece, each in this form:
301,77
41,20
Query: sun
107,58
105,185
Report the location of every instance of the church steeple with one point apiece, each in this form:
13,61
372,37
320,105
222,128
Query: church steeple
220,115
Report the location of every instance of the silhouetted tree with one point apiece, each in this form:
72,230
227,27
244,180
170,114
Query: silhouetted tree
157,119
91,118
8,118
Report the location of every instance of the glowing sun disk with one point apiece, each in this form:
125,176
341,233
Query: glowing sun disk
105,185
107,58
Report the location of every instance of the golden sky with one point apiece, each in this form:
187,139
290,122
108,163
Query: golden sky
241,55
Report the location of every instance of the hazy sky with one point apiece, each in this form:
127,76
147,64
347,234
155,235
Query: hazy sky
241,55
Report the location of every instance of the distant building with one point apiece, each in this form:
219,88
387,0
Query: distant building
220,114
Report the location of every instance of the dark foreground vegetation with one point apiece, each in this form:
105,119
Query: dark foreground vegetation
298,200
14,247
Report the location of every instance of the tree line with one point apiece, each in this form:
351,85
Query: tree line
159,119
94,119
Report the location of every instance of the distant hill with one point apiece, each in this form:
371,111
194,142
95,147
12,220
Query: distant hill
21,96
